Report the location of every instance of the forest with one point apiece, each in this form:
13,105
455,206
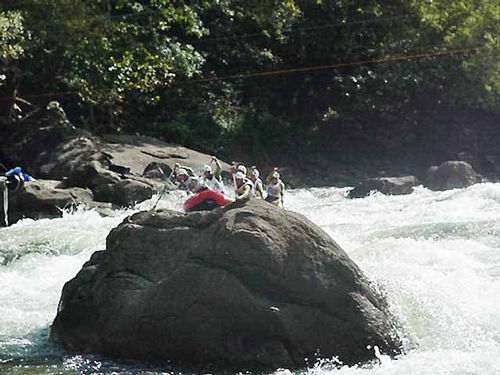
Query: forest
297,81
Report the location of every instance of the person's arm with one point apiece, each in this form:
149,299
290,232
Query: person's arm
260,188
218,169
282,194
268,178
190,171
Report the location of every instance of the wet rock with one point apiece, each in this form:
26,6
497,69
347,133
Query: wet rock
451,175
245,287
138,152
81,159
156,170
42,199
385,185
123,193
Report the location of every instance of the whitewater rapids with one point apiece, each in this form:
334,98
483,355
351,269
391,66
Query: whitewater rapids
436,256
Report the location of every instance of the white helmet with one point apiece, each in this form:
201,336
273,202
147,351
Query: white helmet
182,172
241,168
207,168
275,175
239,175
256,173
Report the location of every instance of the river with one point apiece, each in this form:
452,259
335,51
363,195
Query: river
436,255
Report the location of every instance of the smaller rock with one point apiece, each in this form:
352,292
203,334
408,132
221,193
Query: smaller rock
451,175
92,175
385,185
157,170
41,199
124,193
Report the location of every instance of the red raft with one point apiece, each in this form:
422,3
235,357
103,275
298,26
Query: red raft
206,200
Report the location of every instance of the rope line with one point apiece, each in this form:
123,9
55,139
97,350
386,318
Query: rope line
391,59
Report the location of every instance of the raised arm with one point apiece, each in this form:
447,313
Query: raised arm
218,168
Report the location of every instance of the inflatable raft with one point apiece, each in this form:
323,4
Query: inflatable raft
206,200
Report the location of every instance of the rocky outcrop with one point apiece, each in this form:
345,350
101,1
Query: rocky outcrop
451,175
138,152
247,286
112,166
45,199
385,185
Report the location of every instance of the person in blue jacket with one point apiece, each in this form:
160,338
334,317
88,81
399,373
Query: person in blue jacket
15,178
18,170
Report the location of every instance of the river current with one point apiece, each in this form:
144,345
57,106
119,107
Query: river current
436,256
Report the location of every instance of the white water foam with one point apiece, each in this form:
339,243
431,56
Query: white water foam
436,255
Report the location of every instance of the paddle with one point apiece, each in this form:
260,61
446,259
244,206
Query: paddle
164,187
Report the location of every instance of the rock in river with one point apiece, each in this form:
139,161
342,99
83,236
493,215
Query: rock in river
45,199
451,175
385,185
248,286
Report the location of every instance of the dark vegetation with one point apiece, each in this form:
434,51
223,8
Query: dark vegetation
378,85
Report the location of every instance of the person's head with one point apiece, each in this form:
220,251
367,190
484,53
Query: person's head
239,177
182,175
207,171
255,174
275,177
193,184
241,168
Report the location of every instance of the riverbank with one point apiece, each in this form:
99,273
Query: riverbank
340,158
347,155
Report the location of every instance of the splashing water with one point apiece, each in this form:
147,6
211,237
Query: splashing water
436,256
5,200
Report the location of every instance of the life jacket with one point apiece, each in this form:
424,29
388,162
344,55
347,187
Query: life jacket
256,191
246,182
275,190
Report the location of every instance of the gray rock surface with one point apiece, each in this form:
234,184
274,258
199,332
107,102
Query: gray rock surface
244,287
43,199
451,175
385,185
99,163
138,152
123,193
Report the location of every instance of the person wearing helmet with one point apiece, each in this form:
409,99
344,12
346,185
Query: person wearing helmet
238,167
182,174
213,180
244,186
195,185
258,186
275,188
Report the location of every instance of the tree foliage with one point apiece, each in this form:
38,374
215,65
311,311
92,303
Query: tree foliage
190,71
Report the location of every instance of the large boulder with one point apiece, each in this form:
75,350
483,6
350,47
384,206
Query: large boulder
451,175
385,185
246,286
139,152
53,152
44,198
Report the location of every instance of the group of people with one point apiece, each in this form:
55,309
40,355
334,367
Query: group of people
247,182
